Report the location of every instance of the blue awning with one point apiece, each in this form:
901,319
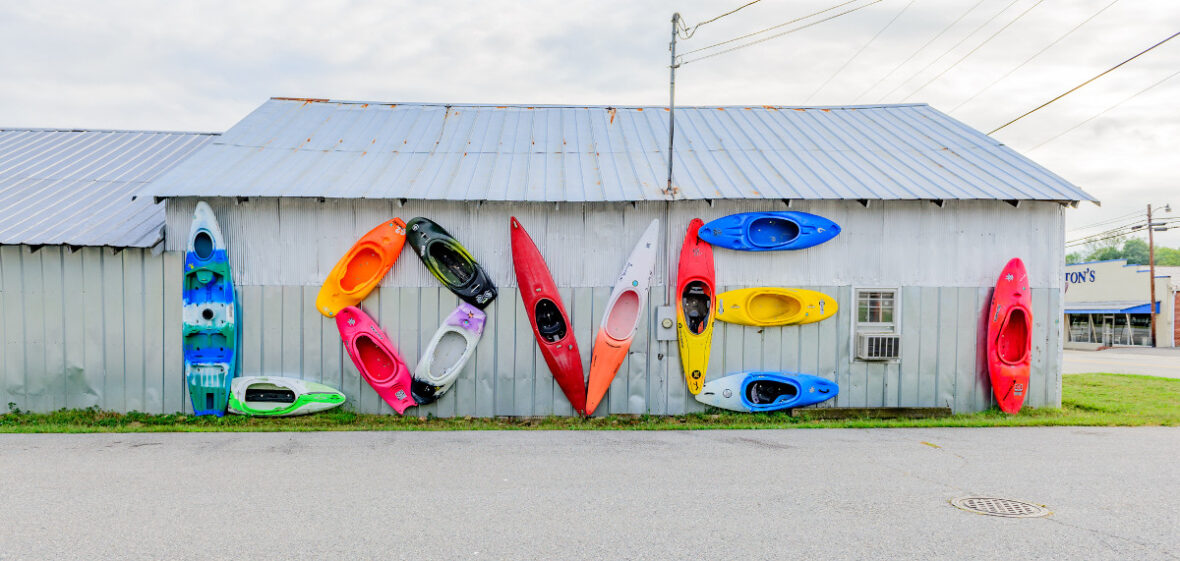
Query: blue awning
1099,308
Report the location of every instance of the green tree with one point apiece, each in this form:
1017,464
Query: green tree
1167,256
1135,252
1071,258
1105,254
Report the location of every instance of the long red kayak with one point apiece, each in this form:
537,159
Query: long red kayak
696,302
551,325
1009,337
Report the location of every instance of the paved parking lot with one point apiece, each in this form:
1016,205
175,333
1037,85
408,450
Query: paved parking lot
825,494
1122,360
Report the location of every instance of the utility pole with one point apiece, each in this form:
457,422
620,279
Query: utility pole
672,99
1151,269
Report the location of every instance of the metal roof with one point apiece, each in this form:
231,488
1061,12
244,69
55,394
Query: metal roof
75,187
341,149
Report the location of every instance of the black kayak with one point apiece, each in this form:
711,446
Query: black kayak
450,262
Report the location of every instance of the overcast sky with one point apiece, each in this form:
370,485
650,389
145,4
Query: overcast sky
202,66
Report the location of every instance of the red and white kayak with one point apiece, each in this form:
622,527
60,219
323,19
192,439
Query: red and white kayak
624,312
1009,337
373,354
551,324
696,304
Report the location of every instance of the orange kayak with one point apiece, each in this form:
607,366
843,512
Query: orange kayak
359,271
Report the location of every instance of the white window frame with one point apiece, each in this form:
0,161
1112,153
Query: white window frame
893,328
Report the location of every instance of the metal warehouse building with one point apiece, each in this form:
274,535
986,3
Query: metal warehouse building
930,211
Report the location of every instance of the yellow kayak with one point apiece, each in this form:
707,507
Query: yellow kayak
767,306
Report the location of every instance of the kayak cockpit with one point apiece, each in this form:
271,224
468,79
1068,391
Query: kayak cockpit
269,393
772,307
766,392
361,269
550,324
624,316
1012,341
696,302
772,231
453,266
380,366
203,245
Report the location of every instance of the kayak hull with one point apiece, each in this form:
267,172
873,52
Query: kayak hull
362,267
624,314
450,262
769,231
447,353
547,315
376,359
210,327
789,390
1009,337
696,306
770,306
276,396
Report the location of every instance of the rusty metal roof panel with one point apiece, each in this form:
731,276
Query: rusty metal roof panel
75,187
342,149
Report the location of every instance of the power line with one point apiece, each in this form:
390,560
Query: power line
862,49
977,47
1079,86
1035,55
777,35
1104,111
688,34
920,49
1108,221
771,28
950,50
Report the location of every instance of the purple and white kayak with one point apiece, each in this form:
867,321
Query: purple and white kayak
449,349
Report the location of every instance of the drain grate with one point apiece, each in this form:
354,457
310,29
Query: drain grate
993,506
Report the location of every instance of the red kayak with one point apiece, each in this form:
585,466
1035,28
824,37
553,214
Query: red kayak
375,357
695,304
1009,337
551,325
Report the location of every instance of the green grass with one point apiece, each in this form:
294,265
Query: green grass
1087,400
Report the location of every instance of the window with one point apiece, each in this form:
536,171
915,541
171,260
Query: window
876,310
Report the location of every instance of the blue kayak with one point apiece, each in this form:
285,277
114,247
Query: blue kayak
769,231
766,391
210,330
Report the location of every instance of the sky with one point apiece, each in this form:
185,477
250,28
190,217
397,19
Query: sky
202,66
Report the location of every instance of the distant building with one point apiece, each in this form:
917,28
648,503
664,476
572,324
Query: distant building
1107,303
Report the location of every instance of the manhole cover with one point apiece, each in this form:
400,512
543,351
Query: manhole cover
993,506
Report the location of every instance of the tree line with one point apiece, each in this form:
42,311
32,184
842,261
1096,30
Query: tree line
1133,250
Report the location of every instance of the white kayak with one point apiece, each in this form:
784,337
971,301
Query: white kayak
275,396
449,349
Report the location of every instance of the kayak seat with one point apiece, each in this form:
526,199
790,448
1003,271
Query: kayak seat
550,324
696,303
772,231
764,392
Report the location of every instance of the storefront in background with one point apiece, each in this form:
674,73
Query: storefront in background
1108,303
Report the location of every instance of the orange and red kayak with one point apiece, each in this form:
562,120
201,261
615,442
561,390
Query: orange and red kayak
551,325
1009,337
624,311
359,271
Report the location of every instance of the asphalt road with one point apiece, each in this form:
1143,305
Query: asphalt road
1123,360
830,494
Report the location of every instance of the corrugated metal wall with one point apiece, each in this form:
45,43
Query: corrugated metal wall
100,328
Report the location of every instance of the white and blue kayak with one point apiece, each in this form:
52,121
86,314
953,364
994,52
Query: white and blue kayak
210,330
277,396
769,231
751,392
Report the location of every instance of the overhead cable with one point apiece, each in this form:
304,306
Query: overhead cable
1104,111
1035,55
972,51
920,49
862,49
950,50
1079,86
777,35
687,34
771,28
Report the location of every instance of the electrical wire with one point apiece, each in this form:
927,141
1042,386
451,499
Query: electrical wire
1121,218
920,49
972,51
1035,55
1079,86
771,28
950,50
777,35
688,34
862,49
1104,111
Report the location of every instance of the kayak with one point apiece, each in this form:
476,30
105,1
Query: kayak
551,324
768,306
1009,337
450,263
695,305
624,312
374,356
752,392
769,231
274,396
210,330
449,349
362,268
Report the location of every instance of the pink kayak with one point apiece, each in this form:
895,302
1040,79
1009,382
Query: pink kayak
374,355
